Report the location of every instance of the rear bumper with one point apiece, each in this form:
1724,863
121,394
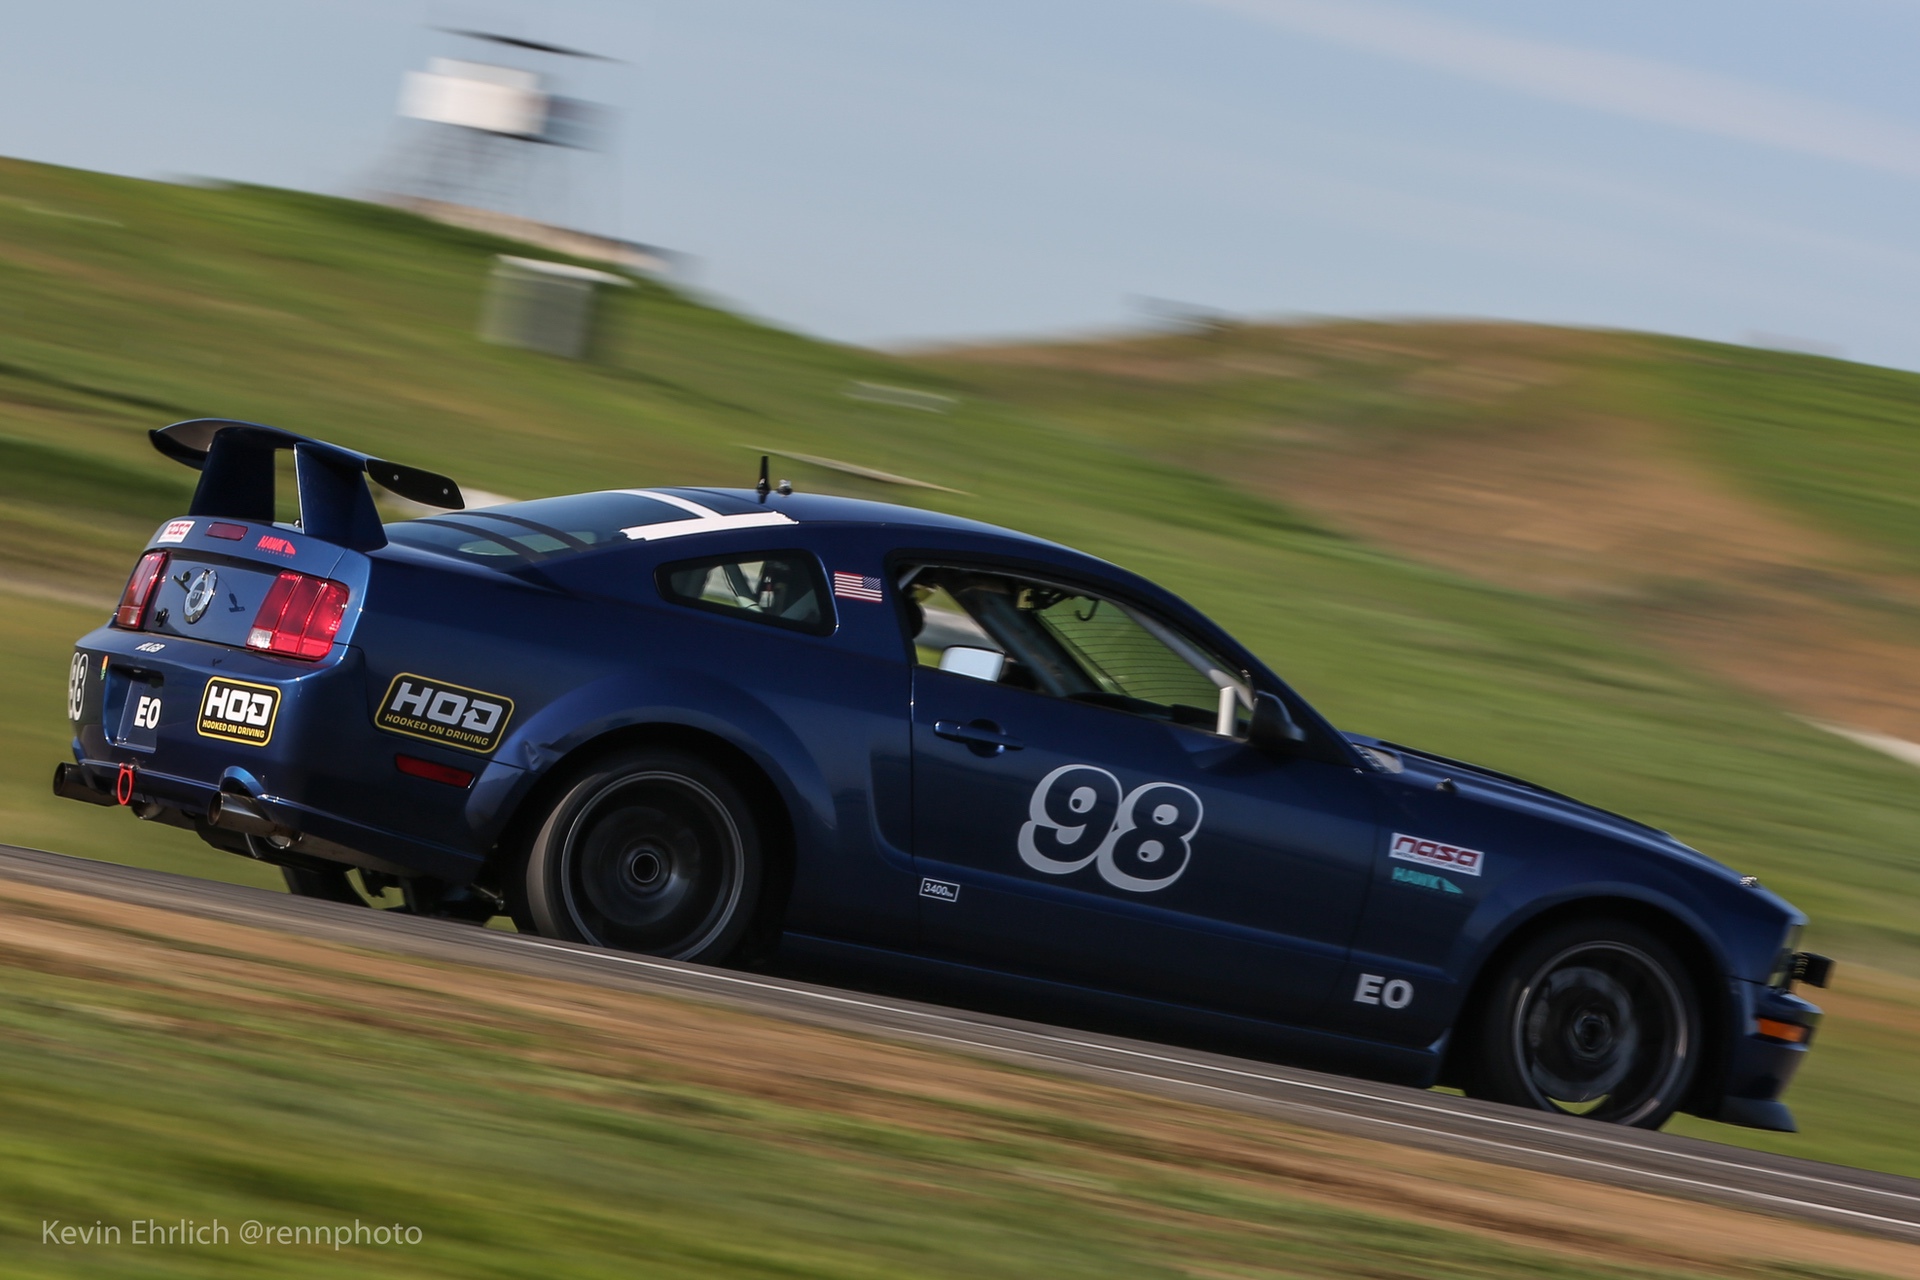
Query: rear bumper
311,833
323,774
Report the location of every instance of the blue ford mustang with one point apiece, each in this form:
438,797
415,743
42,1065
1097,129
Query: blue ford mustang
838,736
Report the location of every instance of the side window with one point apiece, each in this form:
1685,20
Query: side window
783,588
1067,643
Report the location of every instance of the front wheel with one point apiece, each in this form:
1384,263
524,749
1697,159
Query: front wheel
1595,1018
646,850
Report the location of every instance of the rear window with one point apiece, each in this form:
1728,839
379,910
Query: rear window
536,530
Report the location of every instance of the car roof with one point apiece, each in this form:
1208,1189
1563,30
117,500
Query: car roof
810,508
717,510
704,511
567,524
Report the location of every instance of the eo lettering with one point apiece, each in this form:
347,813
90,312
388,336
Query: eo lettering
1374,988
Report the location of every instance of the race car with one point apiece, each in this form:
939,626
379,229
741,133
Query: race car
761,728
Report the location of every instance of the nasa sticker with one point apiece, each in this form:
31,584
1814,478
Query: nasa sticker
1435,853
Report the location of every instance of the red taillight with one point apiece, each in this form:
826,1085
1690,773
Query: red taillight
132,612
300,616
433,772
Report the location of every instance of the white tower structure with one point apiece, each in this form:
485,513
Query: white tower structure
498,147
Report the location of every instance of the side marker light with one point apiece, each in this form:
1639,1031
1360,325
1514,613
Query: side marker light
433,771
1773,1029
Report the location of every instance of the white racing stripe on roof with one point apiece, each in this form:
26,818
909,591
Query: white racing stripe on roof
672,500
705,524
706,519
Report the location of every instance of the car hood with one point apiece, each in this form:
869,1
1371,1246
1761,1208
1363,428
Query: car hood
1493,787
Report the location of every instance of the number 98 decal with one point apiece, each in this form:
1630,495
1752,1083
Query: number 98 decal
1139,840
77,685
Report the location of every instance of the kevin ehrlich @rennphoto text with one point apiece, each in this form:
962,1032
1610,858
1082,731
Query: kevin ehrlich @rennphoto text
141,1231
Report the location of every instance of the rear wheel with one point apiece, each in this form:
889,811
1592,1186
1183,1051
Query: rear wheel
1594,1018
647,850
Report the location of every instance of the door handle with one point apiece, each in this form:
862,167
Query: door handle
982,737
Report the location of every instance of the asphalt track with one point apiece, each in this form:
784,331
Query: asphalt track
1882,1204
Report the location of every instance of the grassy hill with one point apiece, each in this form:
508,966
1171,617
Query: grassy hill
1619,564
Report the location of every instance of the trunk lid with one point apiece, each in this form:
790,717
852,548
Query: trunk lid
219,571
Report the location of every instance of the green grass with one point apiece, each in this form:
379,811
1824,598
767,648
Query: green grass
123,304
1839,442
36,638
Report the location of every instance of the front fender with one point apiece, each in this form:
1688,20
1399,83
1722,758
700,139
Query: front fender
1499,919
1538,856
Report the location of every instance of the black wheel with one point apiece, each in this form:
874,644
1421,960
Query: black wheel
332,885
647,850
1595,1018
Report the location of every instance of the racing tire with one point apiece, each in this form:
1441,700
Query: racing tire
648,850
1595,1018
330,885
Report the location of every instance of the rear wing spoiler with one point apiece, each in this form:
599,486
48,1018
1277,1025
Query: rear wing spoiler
235,462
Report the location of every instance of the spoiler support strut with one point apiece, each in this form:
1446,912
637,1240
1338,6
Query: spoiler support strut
235,462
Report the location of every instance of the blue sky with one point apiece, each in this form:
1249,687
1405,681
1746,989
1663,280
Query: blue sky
888,173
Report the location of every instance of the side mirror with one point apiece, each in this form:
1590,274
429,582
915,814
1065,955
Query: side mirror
1273,727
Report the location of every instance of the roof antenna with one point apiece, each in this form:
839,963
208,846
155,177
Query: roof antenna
763,488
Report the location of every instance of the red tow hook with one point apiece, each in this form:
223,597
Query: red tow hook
123,783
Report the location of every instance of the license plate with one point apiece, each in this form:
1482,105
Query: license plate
140,719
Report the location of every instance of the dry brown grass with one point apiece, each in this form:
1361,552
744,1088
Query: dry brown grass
591,1032
1537,482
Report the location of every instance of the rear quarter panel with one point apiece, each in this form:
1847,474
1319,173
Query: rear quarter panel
587,648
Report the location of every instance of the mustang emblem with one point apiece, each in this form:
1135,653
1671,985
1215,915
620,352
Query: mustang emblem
200,594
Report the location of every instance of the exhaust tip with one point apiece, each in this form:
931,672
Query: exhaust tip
231,811
70,783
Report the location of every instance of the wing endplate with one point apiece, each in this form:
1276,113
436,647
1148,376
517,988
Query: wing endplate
236,465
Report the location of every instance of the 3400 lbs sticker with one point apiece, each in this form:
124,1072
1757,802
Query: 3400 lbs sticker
445,713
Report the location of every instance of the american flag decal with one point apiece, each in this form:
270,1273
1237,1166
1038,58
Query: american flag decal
851,586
